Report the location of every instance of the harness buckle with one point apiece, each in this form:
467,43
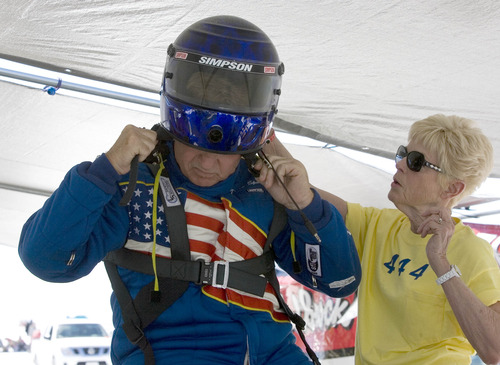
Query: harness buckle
225,278
140,337
209,273
135,334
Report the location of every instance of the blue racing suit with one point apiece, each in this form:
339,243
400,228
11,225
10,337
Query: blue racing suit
82,221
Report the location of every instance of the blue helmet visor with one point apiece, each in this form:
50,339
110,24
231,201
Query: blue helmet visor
221,84
213,130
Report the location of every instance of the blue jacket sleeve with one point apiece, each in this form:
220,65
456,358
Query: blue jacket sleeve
331,266
77,225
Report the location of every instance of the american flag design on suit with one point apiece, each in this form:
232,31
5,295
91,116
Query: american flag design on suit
216,231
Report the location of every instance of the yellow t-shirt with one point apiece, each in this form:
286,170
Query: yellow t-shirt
403,314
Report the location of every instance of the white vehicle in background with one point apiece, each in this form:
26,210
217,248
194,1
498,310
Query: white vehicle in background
73,341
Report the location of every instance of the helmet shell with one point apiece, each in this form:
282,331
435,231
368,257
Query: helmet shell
221,85
228,37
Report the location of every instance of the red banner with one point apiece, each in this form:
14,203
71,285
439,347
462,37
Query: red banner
330,322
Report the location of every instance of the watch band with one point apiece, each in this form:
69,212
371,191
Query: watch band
454,271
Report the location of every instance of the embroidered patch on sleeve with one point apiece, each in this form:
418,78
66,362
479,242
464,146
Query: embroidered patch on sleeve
313,256
342,283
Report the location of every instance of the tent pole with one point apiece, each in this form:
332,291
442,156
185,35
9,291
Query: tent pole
60,84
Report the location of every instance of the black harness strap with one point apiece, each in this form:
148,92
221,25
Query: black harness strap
134,170
240,275
176,221
139,312
294,317
279,221
132,324
149,310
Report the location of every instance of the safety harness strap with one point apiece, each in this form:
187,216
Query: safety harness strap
279,221
241,275
177,225
132,324
294,317
139,312
134,170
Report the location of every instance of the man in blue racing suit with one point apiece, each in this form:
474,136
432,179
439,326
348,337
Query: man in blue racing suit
219,96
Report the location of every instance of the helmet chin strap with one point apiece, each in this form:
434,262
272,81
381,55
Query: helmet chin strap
251,159
161,132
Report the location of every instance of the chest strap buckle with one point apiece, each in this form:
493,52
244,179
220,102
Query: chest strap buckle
215,273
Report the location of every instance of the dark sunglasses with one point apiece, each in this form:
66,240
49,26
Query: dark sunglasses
415,160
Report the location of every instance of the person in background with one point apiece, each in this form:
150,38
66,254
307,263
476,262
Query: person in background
430,292
188,238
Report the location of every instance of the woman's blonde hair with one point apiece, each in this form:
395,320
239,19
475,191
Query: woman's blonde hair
463,151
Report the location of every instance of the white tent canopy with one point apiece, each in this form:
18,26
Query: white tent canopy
358,73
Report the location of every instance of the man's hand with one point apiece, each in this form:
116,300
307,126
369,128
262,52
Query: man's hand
131,142
294,176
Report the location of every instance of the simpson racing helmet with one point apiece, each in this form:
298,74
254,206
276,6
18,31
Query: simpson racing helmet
221,86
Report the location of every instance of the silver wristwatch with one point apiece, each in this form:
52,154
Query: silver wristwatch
454,271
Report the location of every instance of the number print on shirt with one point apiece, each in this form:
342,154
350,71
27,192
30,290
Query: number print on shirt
391,265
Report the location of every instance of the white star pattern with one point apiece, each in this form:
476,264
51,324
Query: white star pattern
141,214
